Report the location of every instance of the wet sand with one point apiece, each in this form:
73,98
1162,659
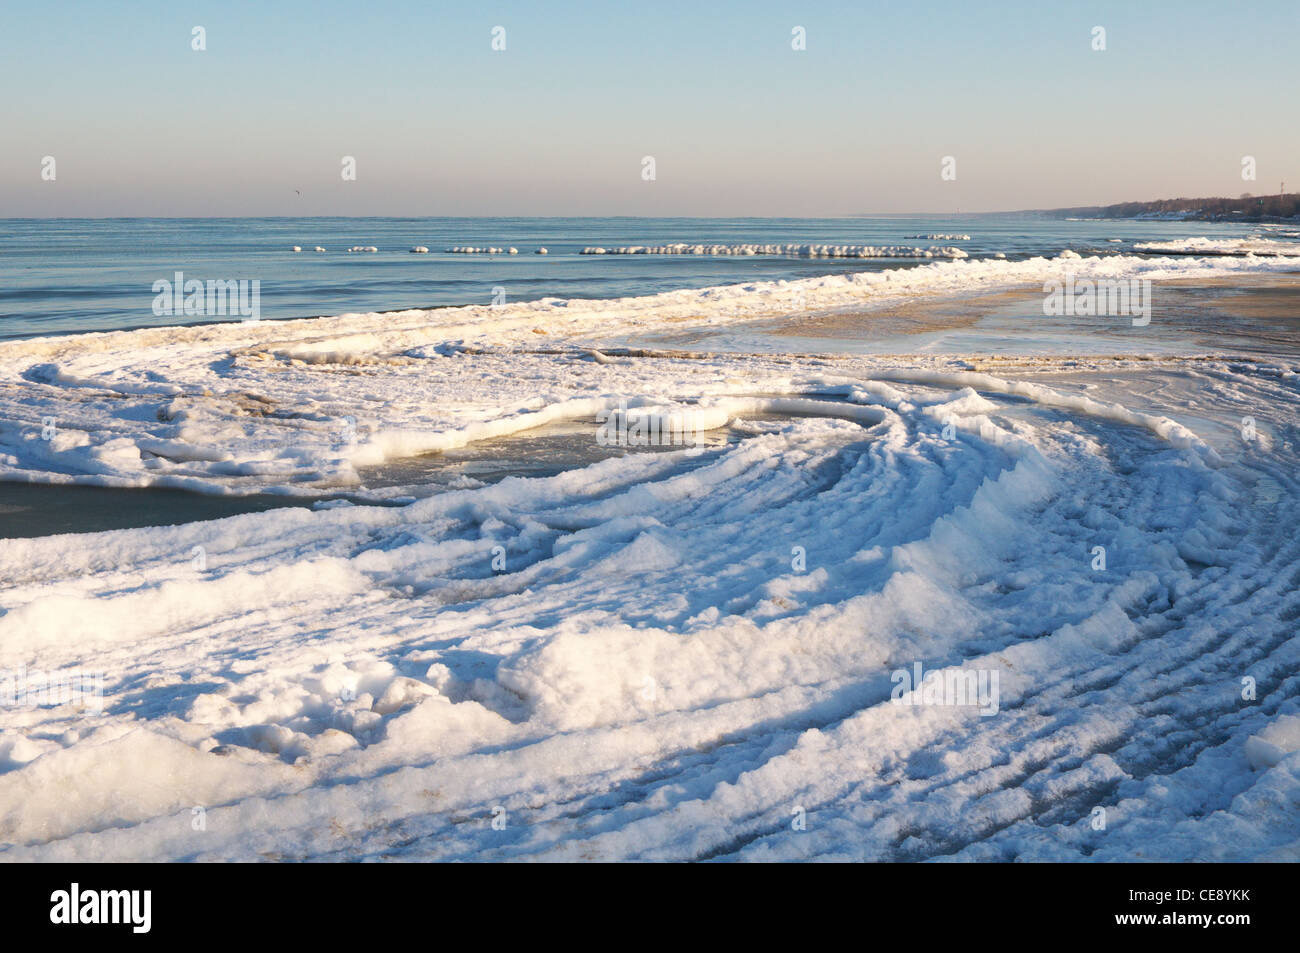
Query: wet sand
919,315
1247,315
1256,315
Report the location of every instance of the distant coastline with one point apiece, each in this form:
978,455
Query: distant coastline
1280,208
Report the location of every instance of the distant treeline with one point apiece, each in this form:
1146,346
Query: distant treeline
1247,207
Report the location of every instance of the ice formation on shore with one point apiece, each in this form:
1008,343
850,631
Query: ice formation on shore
660,656
1222,246
799,251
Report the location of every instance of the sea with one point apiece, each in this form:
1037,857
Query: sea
64,276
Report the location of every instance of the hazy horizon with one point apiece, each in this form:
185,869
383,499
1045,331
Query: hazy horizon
558,123
507,216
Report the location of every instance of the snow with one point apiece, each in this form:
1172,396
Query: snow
1278,740
238,408
1221,246
661,655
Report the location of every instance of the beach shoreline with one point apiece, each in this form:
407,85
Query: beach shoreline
487,627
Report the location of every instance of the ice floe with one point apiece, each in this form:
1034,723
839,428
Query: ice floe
799,251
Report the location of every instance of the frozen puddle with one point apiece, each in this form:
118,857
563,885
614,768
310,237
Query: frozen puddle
549,450
541,452
30,510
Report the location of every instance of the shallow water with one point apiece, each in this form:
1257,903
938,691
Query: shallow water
31,509
540,452
36,509
1252,315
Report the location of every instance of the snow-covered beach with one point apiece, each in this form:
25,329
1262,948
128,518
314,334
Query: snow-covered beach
683,655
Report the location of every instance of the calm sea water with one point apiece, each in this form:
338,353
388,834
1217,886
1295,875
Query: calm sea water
66,275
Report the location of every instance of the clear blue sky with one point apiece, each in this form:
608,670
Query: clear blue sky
557,124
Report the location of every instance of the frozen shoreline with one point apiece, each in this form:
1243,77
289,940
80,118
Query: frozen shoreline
661,656
297,406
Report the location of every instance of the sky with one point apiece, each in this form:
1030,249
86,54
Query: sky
560,121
